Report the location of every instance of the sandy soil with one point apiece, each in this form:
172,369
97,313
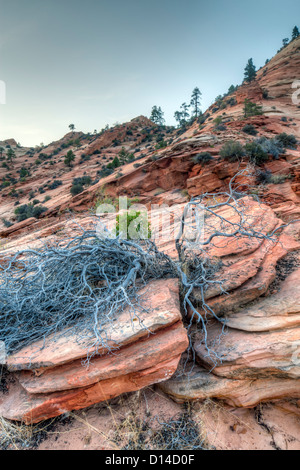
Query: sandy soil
111,425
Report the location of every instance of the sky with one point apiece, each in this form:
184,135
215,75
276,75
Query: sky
98,62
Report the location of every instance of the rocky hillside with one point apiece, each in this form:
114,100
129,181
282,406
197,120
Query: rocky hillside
257,360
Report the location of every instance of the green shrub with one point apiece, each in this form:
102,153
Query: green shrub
105,172
288,141
249,129
218,121
124,156
264,177
143,232
232,150
55,184
24,172
256,153
69,158
278,179
202,158
79,184
252,109
83,180
6,223
161,144
220,127
76,189
114,164
271,146
27,211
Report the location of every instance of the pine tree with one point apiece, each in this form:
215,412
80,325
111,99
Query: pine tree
178,117
182,116
69,158
157,116
252,109
195,101
296,33
231,89
184,112
10,155
285,42
124,156
250,71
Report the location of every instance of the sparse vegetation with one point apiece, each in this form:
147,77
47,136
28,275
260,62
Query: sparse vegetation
249,129
232,151
252,109
256,153
79,184
27,211
203,158
55,184
288,141
69,158
250,71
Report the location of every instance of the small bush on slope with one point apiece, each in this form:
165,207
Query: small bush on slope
203,157
288,141
232,151
250,129
27,211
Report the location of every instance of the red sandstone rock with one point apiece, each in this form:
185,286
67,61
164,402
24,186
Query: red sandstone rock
160,296
250,91
29,408
259,284
149,352
143,354
244,355
279,310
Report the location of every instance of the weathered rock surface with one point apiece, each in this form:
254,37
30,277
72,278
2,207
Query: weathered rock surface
159,297
280,310
156,348
244,355
53,379
200,384
260,353
33,408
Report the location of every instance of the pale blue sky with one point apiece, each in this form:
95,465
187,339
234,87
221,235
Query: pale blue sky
94,62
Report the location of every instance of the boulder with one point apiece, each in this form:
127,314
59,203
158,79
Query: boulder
51,379
143,354
200,385
18,405
257,285
278,311
159,308
244,355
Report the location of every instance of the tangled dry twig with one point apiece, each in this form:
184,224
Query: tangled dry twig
85,282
